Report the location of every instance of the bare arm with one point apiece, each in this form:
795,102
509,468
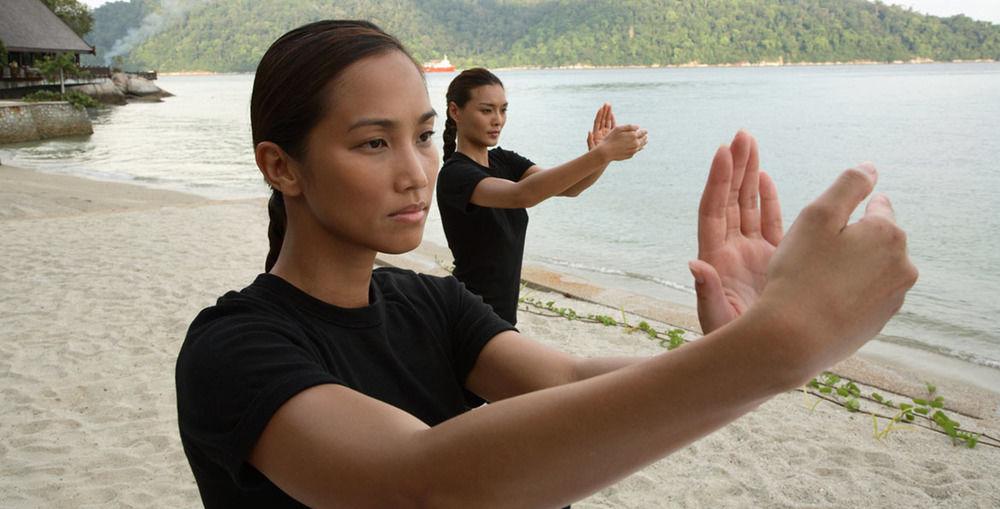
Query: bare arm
330,446
622,143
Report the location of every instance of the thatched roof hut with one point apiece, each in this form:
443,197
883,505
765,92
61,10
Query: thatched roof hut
28,26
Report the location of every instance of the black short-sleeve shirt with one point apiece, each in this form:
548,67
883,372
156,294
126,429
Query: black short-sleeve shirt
412,347
487,243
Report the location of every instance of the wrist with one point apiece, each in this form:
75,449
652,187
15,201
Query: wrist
783,341
603,154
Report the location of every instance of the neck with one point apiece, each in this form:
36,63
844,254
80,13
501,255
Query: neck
475,151
331,270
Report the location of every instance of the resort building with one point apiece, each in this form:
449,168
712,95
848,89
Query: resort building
29,31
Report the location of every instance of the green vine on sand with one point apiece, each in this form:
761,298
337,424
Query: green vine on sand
669,339
927,413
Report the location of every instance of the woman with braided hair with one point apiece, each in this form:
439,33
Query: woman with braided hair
483,192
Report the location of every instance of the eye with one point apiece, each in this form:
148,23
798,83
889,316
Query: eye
425,137
374,144
485,110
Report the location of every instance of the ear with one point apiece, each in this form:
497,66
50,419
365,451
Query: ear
452,109
280,170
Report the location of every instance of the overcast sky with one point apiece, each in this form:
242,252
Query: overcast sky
987,10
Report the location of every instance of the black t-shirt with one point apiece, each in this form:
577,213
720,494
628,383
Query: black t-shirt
412,347
487,243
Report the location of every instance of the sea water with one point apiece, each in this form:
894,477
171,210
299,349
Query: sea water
930,129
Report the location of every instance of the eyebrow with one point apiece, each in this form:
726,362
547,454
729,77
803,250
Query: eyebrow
387,123
491,104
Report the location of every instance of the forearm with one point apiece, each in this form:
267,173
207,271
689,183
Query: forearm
559,179
591,367
582,185
553,446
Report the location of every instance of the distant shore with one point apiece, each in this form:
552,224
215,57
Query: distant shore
778,63
102,280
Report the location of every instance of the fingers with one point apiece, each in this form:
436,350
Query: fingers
748,196
609,119
599,118
770,210
880,205
740,149
837,203
712,208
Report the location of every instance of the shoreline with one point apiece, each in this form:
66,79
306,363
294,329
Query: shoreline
688,65
104,278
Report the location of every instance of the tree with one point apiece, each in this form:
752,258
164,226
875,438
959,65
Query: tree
59,65
76,15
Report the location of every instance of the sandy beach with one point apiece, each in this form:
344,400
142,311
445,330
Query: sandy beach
102,279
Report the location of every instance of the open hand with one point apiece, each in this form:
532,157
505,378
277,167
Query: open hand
736,235
604,122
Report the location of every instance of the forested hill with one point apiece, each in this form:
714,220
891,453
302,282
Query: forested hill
231,35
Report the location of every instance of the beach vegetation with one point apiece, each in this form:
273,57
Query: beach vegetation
231,35
924,411
78,100
669,338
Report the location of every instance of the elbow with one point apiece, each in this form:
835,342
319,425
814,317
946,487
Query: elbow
528,200
571,193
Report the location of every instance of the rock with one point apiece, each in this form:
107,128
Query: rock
120,80
142,87
105,92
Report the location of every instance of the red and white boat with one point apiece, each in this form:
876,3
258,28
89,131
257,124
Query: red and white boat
442,65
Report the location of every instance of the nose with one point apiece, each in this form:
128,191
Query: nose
410,171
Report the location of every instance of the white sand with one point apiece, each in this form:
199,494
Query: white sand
96,297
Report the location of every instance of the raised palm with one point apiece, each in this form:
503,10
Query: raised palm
604,122
739,227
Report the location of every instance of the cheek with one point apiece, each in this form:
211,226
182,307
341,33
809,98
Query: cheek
430,164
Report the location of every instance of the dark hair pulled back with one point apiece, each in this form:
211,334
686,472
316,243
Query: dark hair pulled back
290,91
459,92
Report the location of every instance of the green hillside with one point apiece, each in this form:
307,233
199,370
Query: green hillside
231,35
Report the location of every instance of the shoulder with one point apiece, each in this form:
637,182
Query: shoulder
458,160
237,321
511,161
503,154
402,283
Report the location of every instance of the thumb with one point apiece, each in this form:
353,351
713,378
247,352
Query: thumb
714,310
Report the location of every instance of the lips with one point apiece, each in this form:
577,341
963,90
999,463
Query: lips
413,213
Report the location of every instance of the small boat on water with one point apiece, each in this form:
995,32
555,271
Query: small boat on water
442,65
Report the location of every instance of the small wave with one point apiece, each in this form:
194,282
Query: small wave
969,357
620,273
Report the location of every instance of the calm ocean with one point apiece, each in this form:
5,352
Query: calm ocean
930,129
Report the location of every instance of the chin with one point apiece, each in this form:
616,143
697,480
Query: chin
402,244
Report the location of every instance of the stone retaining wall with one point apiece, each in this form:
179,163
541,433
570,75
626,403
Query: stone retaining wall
38,121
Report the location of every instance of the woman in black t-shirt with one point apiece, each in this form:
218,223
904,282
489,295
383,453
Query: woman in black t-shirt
327,384
483,193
